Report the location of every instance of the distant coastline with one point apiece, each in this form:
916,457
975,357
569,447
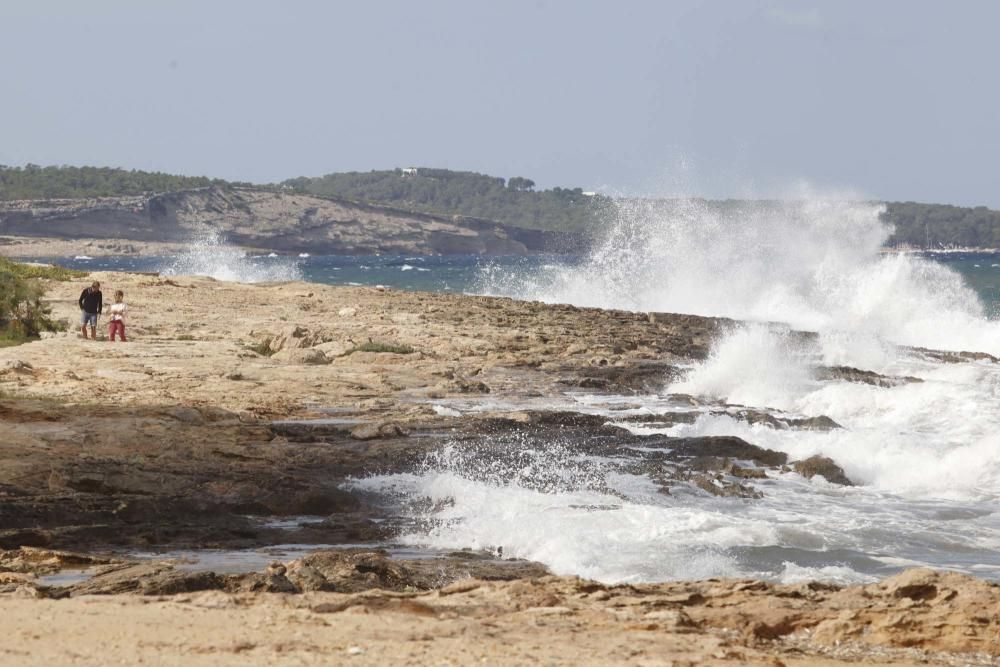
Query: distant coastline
415,210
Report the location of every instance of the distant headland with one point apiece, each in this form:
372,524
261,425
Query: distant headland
405,210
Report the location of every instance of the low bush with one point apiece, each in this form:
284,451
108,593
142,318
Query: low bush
32,271
23,313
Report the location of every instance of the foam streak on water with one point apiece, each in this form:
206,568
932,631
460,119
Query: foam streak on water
925,455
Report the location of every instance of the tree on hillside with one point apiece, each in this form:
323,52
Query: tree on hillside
520,184
35,182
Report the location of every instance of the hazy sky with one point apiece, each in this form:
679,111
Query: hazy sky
892,100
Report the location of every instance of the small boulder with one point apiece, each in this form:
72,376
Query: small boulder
821,465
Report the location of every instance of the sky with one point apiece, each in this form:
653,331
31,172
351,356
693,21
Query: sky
892,100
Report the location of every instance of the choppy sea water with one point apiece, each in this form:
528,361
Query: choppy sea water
925,457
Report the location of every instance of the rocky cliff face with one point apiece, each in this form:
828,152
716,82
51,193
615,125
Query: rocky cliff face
273,220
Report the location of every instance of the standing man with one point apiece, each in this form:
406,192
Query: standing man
91,303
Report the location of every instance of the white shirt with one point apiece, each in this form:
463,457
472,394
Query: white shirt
118,311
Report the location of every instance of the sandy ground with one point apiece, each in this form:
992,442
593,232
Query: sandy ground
487,625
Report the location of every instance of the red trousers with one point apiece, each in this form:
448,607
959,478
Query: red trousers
116,326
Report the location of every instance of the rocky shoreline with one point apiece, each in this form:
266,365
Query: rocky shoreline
238,409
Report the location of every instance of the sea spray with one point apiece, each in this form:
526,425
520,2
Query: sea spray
210,255
754,365
924,455
815,264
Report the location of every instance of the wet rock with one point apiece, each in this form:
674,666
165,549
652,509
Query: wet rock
726,446
848,374
561,419
949,357
820,423
821,465
640,378
745,473
718,486
664,420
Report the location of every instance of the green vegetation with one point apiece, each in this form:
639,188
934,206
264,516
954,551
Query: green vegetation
940,225
443,192
35,182
23,314
516,202
39,271
371,346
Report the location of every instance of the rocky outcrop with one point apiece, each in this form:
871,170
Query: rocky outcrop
270,219
824,467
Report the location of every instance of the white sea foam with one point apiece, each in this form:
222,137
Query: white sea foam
210,256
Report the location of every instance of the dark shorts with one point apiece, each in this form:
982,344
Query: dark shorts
88,318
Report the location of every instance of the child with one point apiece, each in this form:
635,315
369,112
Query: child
117,311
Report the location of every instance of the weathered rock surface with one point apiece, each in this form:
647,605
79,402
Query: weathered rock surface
917,617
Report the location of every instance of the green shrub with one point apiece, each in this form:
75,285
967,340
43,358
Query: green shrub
32,271
23,314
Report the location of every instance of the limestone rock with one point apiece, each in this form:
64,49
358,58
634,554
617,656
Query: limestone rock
147,579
